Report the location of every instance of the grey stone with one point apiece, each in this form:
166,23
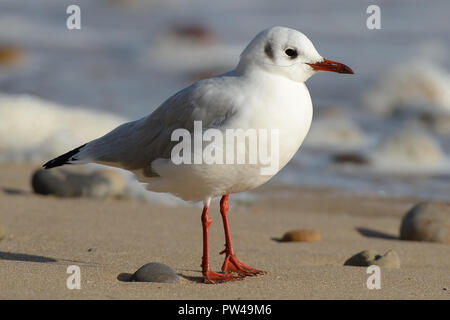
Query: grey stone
367,258
155,272
72,183
350,158
427,221
360,259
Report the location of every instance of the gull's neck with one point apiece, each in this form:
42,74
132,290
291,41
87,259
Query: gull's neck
256,74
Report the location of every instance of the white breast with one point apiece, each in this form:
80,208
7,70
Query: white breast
273,103
278,103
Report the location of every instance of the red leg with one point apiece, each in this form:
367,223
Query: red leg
231,263
209,275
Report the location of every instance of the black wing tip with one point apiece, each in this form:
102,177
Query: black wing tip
49,164
55,163
62,159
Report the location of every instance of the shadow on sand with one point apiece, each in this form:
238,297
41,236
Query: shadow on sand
24,257
370,233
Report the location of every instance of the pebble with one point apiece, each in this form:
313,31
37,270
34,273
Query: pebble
367,258
301,236
427,221
155,272
349,157
71,183
9,56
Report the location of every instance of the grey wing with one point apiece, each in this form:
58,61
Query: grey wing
135,145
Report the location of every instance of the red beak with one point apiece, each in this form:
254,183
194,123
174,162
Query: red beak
328,65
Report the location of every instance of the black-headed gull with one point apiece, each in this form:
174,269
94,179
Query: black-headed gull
264,93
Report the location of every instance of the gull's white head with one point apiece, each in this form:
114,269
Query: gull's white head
286,52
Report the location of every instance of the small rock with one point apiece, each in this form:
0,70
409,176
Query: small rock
2,232
301,236
9,55
65,183
360,259
348,157
367,258
72,183
427,221
155,272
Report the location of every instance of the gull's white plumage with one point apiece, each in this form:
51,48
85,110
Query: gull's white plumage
265,91
258,94
276,104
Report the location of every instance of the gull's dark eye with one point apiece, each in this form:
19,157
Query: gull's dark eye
291,53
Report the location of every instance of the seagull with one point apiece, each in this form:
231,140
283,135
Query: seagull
266,91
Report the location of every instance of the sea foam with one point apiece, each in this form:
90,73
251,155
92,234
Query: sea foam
33,129
418,84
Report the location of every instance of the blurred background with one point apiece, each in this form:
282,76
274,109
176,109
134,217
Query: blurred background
383,131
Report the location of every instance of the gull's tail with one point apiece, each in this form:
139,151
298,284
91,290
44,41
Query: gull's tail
66,158
112,149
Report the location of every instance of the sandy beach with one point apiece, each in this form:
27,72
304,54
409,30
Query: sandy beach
110,238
